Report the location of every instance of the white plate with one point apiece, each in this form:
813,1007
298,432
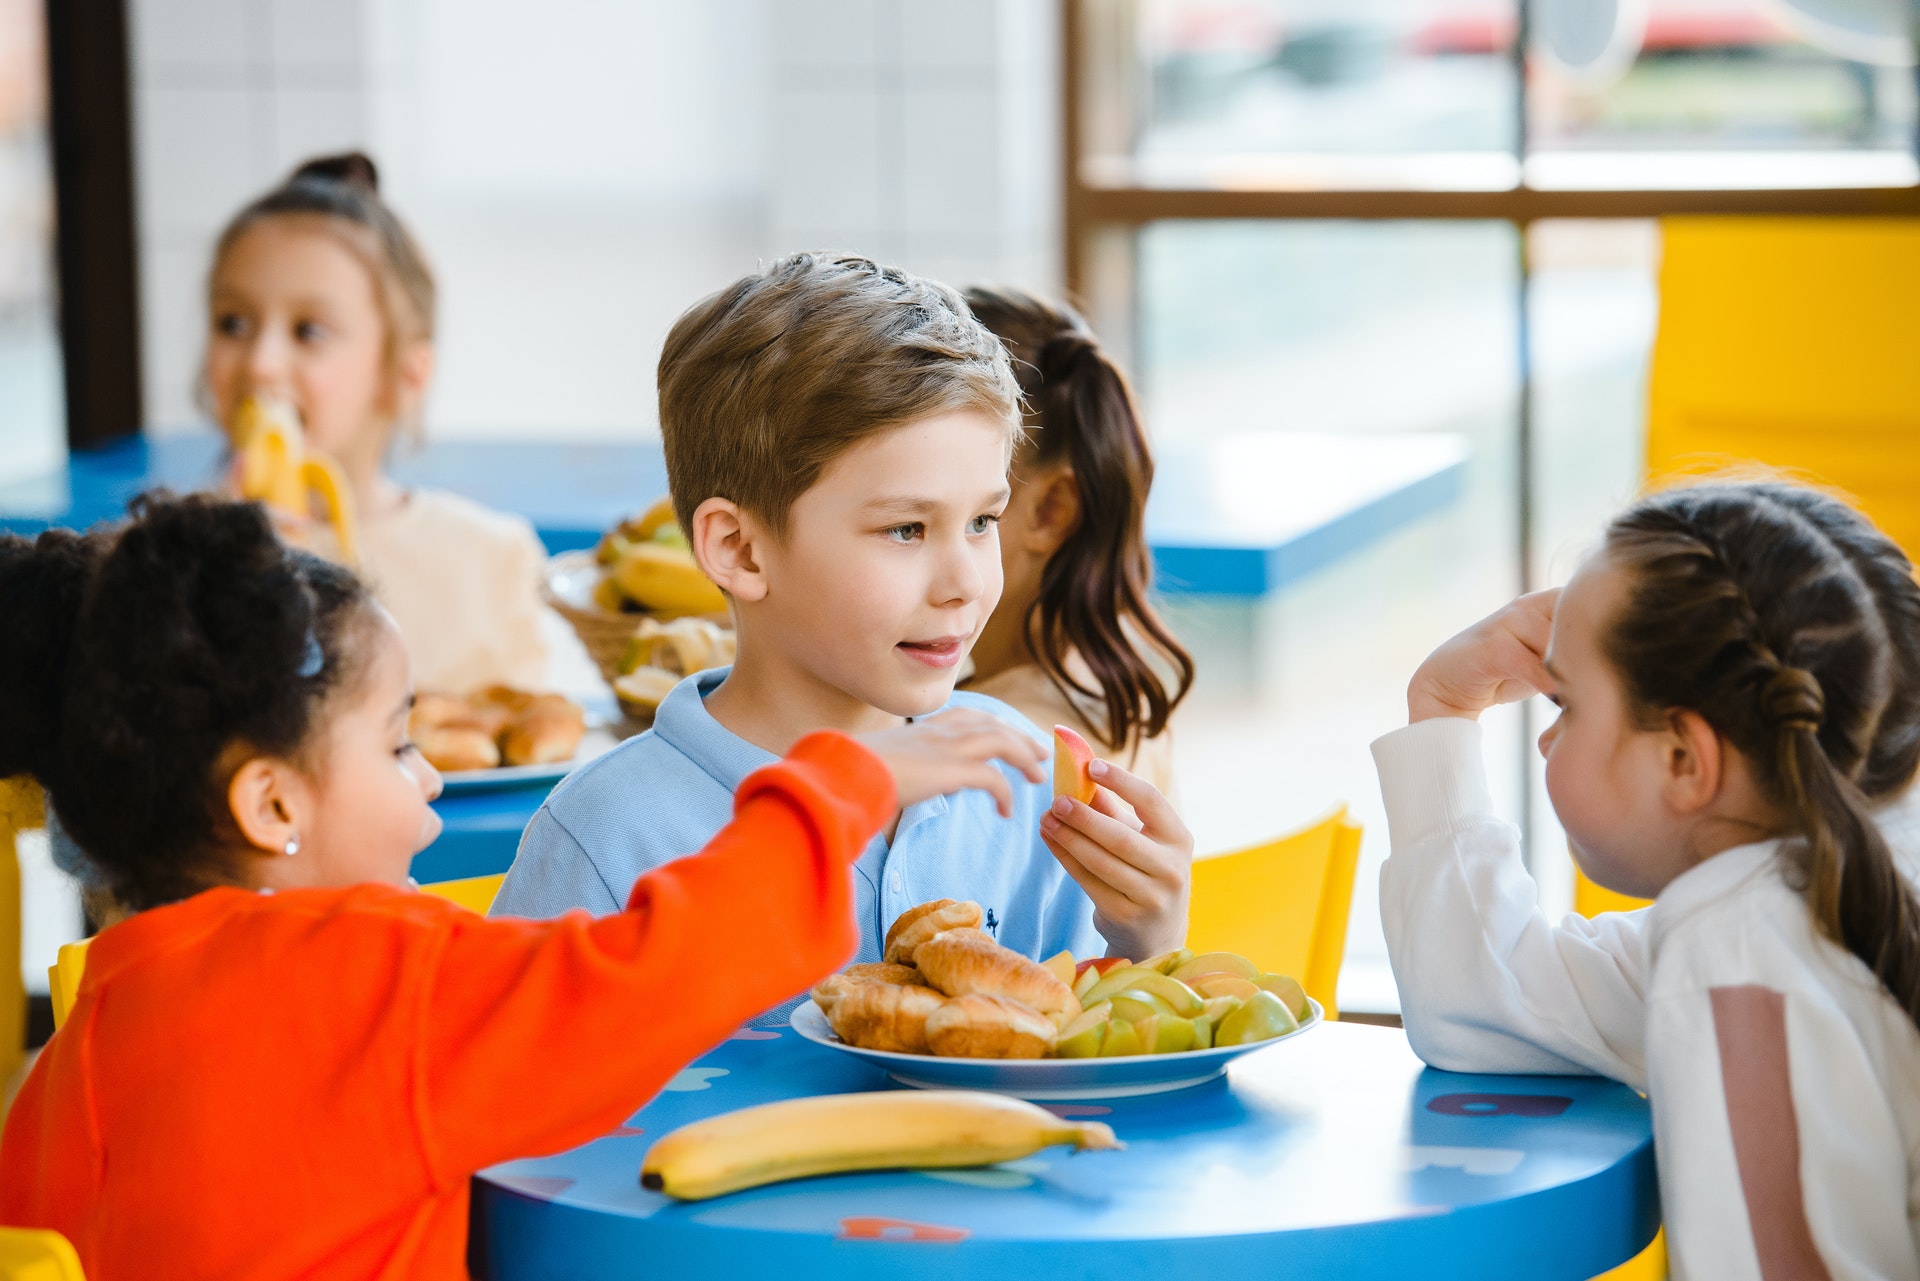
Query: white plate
1046,1078
596,741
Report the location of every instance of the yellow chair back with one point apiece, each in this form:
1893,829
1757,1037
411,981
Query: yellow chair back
63,978
22,809
1282,904
473,892
35,1254
1790,343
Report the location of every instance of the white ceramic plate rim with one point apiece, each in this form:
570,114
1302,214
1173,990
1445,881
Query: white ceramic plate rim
1049,1078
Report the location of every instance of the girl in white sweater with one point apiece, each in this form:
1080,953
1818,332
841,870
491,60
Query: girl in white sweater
1738,673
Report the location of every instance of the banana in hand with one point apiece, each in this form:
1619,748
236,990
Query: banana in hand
277,469
882,1130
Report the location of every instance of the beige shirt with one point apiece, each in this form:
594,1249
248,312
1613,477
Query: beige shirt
1029,691
463,583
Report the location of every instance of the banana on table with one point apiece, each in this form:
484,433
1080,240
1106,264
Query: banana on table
834,1133
277,469
648,562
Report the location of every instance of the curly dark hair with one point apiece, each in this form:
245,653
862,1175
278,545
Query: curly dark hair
134,659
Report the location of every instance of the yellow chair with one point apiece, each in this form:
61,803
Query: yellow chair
63,978
22,809
34,1254
1282,904
1790,343
474,892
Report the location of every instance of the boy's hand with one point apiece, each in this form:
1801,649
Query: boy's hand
956,750
1497,660
1132,855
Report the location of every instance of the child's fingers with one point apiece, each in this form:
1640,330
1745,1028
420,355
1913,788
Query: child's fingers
1107,901
1111,859
989,779
1113,807
1155,811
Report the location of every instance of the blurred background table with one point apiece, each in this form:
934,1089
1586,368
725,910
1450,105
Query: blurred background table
1334,1155
1242,516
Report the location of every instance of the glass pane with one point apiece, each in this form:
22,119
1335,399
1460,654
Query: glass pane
32,401
1720,93
1309,367
1333,93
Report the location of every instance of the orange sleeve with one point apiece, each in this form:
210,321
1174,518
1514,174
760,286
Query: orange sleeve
541,1035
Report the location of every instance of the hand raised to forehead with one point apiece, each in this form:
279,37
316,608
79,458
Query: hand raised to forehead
1500,659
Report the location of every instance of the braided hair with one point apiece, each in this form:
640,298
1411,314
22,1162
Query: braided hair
1792,626
1093,597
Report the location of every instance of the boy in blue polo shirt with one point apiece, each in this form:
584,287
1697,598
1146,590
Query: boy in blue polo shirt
837,436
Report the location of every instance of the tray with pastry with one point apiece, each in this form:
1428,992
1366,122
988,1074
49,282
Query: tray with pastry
502,737
949,1008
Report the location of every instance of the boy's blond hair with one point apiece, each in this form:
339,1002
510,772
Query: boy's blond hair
769,380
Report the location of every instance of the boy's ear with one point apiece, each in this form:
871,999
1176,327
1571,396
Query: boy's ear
723,539
1055,511
264,805
1695,762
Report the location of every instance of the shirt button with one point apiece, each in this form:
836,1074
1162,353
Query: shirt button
895,884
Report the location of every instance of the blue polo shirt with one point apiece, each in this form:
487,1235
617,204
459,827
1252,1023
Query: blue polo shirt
668,791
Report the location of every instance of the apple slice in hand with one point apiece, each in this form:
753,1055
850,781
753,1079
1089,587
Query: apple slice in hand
1071,756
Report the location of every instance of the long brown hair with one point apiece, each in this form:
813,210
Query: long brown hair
1093,591
1793,626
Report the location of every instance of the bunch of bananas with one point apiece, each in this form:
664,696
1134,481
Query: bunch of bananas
277,469
650,567
884,1130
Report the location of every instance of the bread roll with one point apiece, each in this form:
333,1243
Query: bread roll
967,962
543,736
884,1016
988,1027
918,924
453,748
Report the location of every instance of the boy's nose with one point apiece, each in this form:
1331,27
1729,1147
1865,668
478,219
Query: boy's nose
961,578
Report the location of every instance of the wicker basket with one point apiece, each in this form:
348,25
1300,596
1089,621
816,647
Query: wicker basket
568,587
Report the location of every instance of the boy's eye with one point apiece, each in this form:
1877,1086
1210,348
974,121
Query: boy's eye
981,524
230,325
404,748
905,533
309,331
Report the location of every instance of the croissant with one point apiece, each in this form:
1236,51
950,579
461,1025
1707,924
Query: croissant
967,962
884,1016
988,1027
918,924
829,990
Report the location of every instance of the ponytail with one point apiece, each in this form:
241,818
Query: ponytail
1094,597
1792,626
1845,870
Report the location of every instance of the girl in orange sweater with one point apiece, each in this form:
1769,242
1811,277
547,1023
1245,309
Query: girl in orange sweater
285,1062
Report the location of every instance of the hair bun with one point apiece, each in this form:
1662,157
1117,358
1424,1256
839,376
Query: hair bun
349,169
43,583
1792,699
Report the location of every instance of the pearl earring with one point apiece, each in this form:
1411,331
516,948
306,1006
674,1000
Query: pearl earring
293,845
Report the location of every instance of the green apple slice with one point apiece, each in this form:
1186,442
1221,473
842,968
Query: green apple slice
1215,963
1262,1018
1132,1006
1116,982
1291,994
1218,1007
1203,1033
1180,998
1166,961
1082,1038
1123,1040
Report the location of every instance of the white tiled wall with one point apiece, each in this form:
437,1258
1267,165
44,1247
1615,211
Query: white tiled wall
582,170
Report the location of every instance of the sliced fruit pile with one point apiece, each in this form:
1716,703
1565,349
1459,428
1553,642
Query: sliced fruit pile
1173,1003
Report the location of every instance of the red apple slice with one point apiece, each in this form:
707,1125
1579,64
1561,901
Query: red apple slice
1071,756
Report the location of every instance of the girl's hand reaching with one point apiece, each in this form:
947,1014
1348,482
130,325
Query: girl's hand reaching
1132,855
953,751
1500,659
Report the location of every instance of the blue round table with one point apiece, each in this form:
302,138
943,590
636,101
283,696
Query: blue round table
1333,1155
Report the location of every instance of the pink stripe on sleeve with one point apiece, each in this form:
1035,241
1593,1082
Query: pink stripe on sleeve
1750,1025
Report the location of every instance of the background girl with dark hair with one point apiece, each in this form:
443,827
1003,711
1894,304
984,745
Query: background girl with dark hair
1738,733
1075,640
284,1062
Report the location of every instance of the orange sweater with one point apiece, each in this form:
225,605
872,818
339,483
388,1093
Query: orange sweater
301,1084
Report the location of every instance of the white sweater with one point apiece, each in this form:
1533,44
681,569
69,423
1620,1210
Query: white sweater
1785,1083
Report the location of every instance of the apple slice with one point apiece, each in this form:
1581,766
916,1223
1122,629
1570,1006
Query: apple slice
1083,1037
1203,1033
1060,965
1166,962
1291,994
1137,1007
1122,1040
1071,756
1208,985
1218,1007
1178,997
1084,981
1215,963
1101,964
1262,1018
1117,981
